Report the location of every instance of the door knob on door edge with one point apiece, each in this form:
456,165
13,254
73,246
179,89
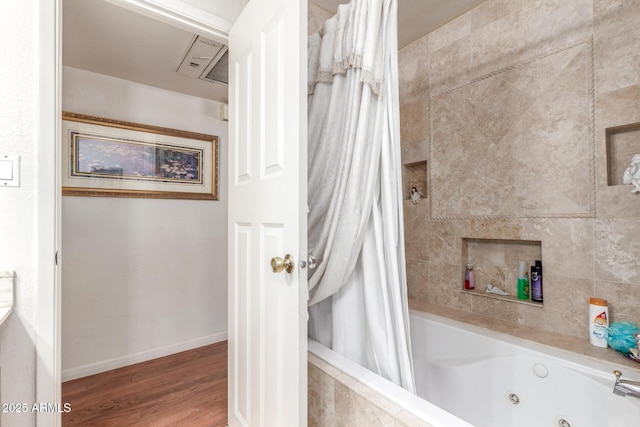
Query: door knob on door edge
278,264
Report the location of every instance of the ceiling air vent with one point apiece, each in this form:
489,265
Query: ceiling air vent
219,72
205,60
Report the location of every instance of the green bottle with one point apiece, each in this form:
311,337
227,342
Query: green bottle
522,285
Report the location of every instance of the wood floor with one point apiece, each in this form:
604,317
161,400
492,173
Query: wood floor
185,389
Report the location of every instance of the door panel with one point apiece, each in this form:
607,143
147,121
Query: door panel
272,155
242,141
267,215
240,367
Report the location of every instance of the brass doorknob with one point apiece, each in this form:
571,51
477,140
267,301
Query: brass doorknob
278,264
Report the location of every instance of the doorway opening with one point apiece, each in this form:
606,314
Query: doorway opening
142,278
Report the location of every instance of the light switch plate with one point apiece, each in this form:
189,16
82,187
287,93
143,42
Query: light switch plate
9,170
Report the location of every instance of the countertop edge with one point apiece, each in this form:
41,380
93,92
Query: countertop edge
6,294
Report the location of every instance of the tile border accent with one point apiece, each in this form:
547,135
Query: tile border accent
588,42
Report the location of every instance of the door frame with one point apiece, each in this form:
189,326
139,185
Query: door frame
48,197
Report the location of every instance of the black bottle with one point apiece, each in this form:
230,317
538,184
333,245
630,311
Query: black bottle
536,281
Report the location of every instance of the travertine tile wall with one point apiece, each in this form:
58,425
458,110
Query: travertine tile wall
336,399
589,230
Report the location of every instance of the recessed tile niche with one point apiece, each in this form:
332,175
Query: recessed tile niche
415,175
623,142
495,262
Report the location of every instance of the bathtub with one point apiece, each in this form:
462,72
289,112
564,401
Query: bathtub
469,376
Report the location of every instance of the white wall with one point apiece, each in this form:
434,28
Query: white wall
141,278
228,9
18,207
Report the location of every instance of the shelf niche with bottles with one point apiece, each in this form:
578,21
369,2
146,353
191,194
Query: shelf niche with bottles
495,263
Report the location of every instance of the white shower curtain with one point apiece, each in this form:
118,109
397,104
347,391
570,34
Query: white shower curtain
358,301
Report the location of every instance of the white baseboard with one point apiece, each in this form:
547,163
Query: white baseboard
130,359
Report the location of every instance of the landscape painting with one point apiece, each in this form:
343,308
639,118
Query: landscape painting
99,157
120,159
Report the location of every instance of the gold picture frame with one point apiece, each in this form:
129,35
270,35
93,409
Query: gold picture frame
113,158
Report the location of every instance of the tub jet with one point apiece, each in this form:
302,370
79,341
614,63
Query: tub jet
513,399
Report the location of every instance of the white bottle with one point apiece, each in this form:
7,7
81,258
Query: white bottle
598,322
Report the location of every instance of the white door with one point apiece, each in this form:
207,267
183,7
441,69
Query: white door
267,215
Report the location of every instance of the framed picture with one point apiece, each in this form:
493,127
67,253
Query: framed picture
112,158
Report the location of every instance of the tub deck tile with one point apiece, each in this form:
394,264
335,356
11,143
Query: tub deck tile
580,346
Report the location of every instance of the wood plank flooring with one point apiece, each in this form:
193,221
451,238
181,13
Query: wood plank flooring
185,389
